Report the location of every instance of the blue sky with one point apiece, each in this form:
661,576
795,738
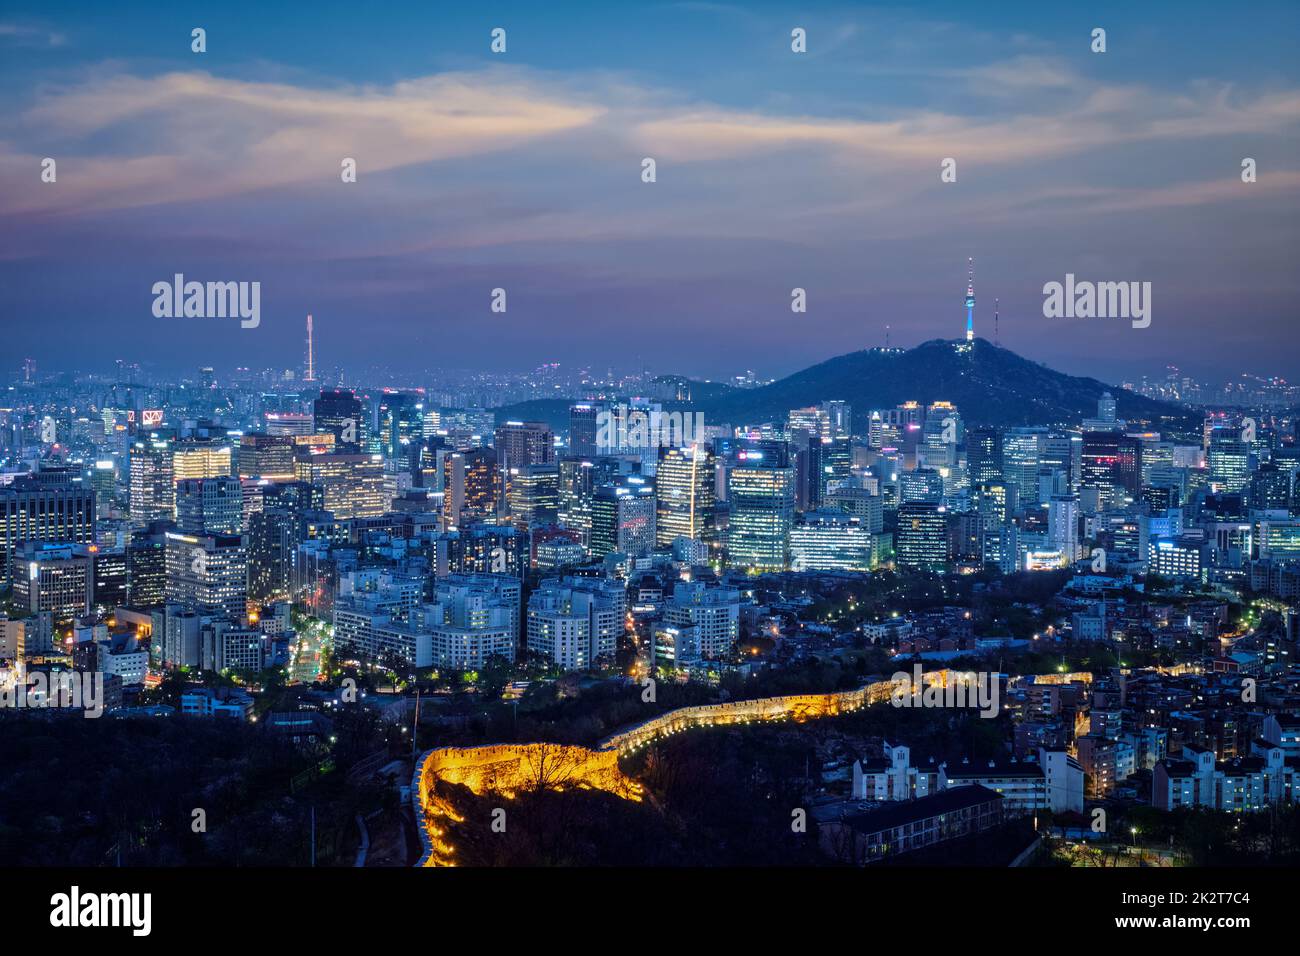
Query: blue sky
775,170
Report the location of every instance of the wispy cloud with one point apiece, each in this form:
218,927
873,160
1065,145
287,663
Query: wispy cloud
21,34
187,136
1105,117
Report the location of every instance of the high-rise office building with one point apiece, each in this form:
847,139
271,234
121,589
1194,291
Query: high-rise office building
210,505
579,478
923,484
1061,454
146,565
1229,460
760,498
266,456
274,533
984,455
353,485
1111,463
288,423
339,412
809,477
534,495
830,540
524,443
54,578
208,572
623,518
815,420
836,463
103,480
684,486
1021,451
201,458
922,536
50,505
860,503
519,445
153,483
583,427
470,484
401,424
1271,488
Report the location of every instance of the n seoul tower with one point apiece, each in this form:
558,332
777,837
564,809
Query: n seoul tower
970,300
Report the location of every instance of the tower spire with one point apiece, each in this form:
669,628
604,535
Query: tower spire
970,299
995,321
309,374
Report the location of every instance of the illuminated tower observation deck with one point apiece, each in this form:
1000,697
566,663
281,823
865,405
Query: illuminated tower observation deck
970,300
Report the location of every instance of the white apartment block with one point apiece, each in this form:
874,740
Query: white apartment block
1054,782
1242,784
576,622
713,611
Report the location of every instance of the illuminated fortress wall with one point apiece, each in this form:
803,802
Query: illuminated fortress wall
506,769
797,706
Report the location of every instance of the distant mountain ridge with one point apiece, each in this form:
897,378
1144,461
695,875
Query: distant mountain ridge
988,384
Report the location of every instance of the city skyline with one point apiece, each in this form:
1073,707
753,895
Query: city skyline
838,441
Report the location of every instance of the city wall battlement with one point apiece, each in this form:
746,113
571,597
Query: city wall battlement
507,769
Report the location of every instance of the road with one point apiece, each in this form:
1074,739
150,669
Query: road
307,657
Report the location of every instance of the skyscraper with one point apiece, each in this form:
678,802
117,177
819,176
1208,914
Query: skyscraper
534,495
760,495
519,445
579,479
684,486
52,505
339,412
210,505
1021,457
1112,464
1229,460
208,572
353,485
922,536
830,540
471,480
401,423
153,486
623,518
199,457
984,455
266,456
583,425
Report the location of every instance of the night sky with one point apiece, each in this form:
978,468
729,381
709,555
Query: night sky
523,171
